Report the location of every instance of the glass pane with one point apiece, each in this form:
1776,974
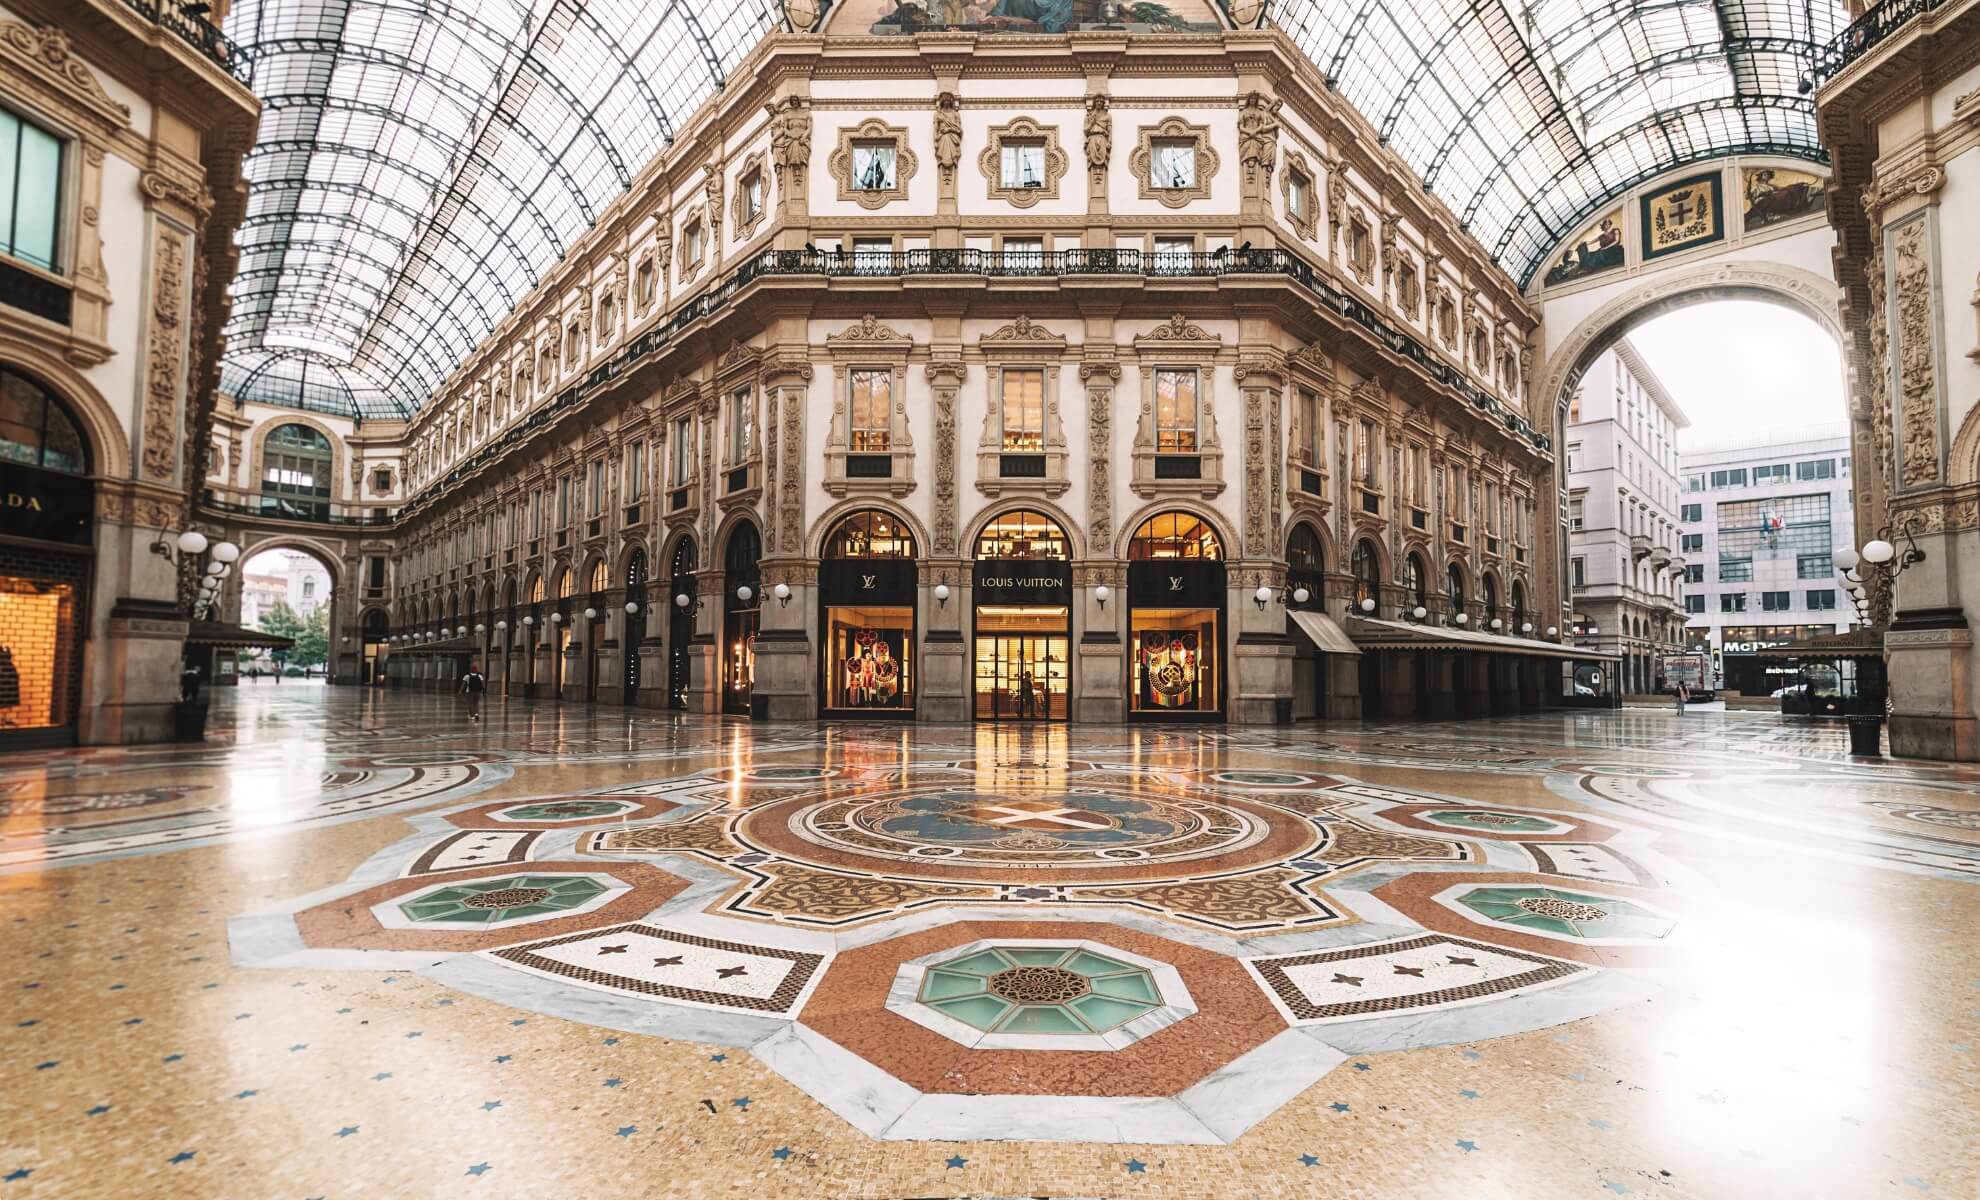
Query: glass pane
38,197
10,146
941,985
1041,1019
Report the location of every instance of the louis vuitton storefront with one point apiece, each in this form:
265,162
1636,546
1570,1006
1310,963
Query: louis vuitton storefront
1176,598
866,595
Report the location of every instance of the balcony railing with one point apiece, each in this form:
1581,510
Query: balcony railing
1057,264
195,31
1866,33
282,508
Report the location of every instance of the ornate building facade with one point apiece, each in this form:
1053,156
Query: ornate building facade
125,126
940,376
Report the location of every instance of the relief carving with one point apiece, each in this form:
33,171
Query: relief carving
1099,131
1258,141
165,356
790,137
1099,378
1917,355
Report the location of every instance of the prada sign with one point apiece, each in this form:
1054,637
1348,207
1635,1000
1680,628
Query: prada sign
1175,583
1045,581
46,506
888,581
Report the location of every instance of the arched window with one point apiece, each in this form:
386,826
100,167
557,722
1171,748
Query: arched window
1175,535
566,584
1022,534
295,472
1416,583
601,576
1519,606
1367,569
1454,588
684,557
745,551
36,430
536,590
1488,589
1306,566
869,533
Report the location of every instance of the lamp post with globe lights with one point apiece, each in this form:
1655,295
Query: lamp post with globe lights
1871,575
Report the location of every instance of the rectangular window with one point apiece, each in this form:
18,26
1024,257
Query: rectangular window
1732,602
1578,572
1776,526
1735,477
1297,195
1695,483
30,192
1822,598
1770,473
1694,604
752,195
1024,408
635,483
646,279
1694,573
872,403
1817,468
1024,254
1023,165
873,256
683,451
1776,601
1813,566
1173,255
1735,569
595,487
1574,514
1175,411
691,244
873,166
1691,514
1691,543
1173,165
1308,451
563,502
742,425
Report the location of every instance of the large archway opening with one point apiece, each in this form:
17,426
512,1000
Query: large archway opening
290,591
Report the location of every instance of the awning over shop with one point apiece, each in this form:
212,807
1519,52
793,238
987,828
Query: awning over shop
453,645
1857,643
1324,632
220,633
1371,634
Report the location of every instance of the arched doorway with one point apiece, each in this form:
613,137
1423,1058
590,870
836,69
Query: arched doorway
1454,594
635,619
595,618
538,636
1366,567
742,616
866,597
680,623
376,631
1176,600
1306,590
1522,621
44,589
1488,593
1416,586
289,590
1021,597
560,623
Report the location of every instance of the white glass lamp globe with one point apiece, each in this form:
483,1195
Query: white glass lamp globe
528,621
216,569
1102,592
782,591
591,614
680,600
461,631
479,628
1463,618
1878,551
1497,623
632,607
1419,612
556,618
192,541
1553,631
942,593
744,593
1301,595
226,552
501,626
1526,627
1262,594
1845,558
1368,604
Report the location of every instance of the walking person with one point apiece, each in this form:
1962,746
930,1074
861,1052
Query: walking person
1683,693
473,684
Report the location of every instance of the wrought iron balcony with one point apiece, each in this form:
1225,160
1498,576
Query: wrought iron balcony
195,31
1866,33
290,508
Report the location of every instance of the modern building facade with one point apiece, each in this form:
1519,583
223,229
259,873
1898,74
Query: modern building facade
1760,524
1625,571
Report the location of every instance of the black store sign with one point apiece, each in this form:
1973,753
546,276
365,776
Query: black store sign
1023,581
1175,583
887,581
46,506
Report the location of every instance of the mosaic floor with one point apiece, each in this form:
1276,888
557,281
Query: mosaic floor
356,947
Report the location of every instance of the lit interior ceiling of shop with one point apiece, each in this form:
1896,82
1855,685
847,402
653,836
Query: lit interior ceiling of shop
421,163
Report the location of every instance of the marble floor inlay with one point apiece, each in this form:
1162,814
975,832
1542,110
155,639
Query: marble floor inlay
357,946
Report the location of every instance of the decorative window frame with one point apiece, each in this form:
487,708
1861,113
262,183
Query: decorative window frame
840,163
869,344
691,264
258,454
650,265
1447,330
1178,342
991,162
1142,161
739,370
740,218
1306,225
1309,370
1409,287
1362,264
1023,343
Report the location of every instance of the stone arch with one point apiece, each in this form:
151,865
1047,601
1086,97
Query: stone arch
1075,539
332,557
1312,516
727,529
1963,464
821,528
1209,516
109,443
338,452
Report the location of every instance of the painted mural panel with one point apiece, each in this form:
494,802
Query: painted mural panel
1683,215
1776,194
1597,248
1037,16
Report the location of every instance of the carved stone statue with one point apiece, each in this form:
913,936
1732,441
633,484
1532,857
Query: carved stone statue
1258,134
1099,133
790,133
948,133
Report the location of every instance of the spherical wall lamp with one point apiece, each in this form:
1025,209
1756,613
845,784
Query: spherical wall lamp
226,552
632,608
1301,595
591,614
1419,612
1368,604
1101,594
1262,596
1877,551
1845,558
941,594
556,618
745,594
782,592
681,600
1462,619
192,541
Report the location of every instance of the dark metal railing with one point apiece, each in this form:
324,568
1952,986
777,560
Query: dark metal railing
197,32
273,508
1866,33
891,264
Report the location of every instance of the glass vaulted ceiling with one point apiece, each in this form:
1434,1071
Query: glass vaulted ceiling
422,162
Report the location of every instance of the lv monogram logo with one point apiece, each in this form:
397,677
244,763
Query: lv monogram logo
866,582
1175,583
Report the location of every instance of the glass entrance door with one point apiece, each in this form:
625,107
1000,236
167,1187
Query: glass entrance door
1021,677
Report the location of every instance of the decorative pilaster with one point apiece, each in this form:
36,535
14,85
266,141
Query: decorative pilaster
945,379
1100,378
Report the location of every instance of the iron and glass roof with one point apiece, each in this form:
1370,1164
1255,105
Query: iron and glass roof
421,163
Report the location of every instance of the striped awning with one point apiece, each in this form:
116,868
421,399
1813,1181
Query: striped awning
1371,634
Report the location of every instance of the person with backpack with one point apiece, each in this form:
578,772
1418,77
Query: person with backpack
473,684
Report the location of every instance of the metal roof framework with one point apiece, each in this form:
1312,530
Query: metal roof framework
422,163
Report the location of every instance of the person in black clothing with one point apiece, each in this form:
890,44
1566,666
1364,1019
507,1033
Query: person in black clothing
473,684
189,683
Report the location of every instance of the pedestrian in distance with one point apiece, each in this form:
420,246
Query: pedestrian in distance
473,684
1683,694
